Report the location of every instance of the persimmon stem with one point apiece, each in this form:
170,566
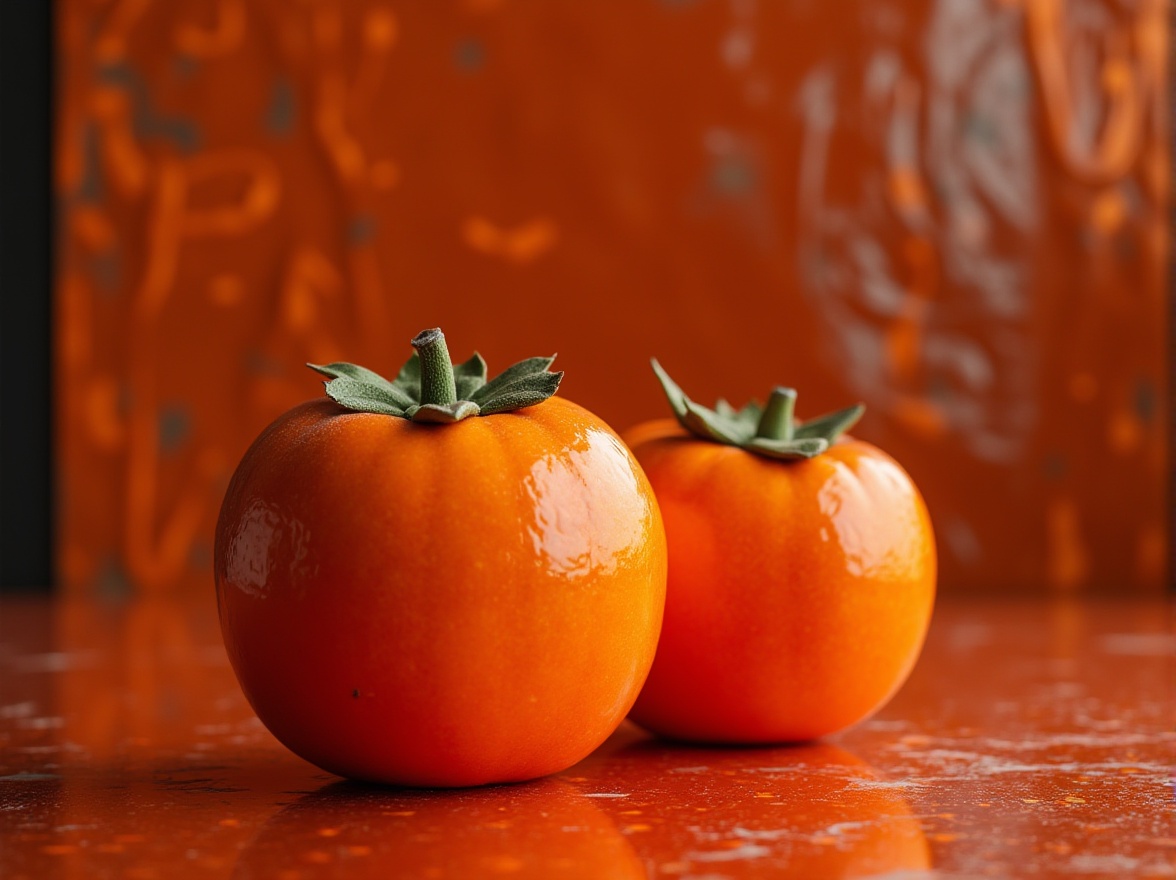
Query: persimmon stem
437,382
776,422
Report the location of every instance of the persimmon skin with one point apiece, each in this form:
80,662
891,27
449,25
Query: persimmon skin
440,605
799,592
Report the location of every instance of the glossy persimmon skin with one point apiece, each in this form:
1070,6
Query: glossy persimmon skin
799,592
440,605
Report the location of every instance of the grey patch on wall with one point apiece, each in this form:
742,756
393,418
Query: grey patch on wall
112,581
361,229
469,55
1145,399
281,113
106,270
147,122
92,186
185,66
175,426
258,363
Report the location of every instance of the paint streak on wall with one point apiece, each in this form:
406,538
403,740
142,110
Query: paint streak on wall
952,211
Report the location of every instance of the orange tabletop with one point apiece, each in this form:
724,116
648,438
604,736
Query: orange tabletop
1035,739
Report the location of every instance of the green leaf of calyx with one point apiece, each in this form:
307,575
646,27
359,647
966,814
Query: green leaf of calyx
410,374
708,423
469,377
832,425
430,389
769,431
364,396
524,391
353,371
499,384
675,395
788,449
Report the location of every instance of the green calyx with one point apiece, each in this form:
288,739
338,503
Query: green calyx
770,430
429,388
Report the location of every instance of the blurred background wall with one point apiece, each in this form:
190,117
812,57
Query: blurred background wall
952,210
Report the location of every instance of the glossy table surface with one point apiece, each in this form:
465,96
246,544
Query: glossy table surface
1034,739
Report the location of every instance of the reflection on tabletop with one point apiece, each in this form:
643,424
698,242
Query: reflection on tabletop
1034,738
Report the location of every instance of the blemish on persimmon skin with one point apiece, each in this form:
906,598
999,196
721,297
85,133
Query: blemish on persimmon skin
355,693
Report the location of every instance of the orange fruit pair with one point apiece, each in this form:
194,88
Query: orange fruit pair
444,580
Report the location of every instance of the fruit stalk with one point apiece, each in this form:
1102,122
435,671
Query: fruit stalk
437,382
776,423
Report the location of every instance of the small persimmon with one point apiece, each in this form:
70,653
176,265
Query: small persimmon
801,572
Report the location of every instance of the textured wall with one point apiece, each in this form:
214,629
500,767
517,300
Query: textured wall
953,210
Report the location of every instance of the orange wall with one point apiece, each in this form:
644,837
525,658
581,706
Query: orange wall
954,212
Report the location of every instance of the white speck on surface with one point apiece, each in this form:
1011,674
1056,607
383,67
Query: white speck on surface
604,794
760,834
868,784
737,48
969,636
49,749
49,723
1086,863
736,854
883,724
719,141
1094,740
1139,644
18,710
29,777
56,661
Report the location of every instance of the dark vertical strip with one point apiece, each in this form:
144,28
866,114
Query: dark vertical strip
1171,401
26,387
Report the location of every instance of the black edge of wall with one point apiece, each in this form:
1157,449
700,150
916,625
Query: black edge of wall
26,395
1171,335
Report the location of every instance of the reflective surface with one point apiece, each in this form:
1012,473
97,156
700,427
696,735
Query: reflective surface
1033,740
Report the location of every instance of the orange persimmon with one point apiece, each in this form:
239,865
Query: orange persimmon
440,581
801,573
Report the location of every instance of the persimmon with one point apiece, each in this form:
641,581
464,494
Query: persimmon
802,572
439,580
